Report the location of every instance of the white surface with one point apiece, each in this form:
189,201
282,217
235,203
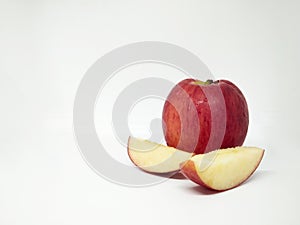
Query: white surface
46,47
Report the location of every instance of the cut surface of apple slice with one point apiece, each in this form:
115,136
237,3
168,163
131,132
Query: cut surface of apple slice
154,157
223,169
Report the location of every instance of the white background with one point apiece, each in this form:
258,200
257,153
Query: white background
47,46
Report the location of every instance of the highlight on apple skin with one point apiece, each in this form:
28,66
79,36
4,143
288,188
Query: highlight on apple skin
223,169
155,158
203,116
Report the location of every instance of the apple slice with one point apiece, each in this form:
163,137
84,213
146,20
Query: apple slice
223,169
155,158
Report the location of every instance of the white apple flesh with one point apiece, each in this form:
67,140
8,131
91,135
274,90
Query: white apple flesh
223,169
155,158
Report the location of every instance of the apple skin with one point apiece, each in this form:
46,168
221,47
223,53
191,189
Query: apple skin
200,116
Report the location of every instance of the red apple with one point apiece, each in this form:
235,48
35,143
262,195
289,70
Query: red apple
203,116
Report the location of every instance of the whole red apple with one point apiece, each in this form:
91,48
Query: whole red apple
203,116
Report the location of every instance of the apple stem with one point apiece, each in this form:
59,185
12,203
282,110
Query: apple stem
207,82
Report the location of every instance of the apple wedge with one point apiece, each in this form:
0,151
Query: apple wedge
223,169
155,158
